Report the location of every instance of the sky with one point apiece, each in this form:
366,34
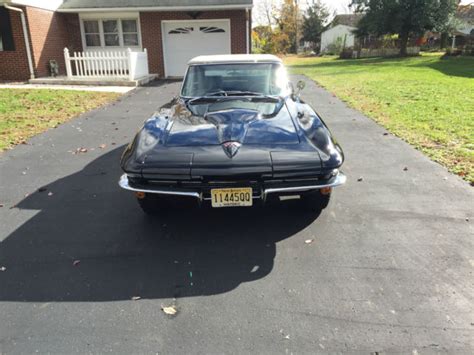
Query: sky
337,6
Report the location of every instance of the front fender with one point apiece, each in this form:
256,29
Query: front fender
147,139
317,132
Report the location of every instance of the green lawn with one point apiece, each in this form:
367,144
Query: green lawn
24,113
426,100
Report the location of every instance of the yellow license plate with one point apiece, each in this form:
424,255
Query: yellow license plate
236,197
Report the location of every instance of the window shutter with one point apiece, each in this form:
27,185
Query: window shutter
6,33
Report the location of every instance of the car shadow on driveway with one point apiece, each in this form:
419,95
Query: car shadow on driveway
88,241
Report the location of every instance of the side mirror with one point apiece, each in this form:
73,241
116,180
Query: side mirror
300,85
295,94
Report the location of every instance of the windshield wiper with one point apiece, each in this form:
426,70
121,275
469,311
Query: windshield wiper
223,95
216,93
256,96
244,93
204,99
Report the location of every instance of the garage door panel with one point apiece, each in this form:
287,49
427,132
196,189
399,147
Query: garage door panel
183,41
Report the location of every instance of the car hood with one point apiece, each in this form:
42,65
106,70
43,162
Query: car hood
241,126
179,144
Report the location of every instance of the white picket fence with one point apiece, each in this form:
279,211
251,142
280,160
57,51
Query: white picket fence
125,65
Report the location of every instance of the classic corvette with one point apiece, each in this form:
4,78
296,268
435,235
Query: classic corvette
238,134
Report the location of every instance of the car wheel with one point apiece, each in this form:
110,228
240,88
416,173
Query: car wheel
316,201
150,204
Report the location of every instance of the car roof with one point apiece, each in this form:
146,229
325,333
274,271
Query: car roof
234,58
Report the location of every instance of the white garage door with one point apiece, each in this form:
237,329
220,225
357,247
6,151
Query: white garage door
184,40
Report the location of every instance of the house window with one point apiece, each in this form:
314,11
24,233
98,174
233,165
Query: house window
181,30
92,33
111,33
6,33
130,32
212,29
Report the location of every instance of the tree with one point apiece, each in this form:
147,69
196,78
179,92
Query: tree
406,18
288,21
314,21
262,39
265,11
447,27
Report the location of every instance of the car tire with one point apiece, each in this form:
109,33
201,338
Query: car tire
150,204
315,200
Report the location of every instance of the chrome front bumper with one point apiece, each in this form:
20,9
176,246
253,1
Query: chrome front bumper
337,180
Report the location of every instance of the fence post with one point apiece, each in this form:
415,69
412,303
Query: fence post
130,69
147,70
67,60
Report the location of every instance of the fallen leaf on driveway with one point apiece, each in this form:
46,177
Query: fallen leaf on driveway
136,298
102,146
170,310
309,241
76,262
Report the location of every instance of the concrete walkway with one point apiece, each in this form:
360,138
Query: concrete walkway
388,267
117,89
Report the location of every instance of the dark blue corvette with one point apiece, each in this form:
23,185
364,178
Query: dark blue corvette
237,134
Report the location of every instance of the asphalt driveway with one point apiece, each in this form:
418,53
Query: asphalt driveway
389,267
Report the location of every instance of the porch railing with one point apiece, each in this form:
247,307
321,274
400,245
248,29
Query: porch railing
126,65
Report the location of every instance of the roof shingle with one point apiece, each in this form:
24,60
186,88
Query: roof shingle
351,20
96,4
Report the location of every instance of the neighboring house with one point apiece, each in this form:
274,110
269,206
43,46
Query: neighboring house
465,32
33,32
340,32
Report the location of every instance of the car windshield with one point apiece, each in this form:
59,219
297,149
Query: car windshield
235,79
264,107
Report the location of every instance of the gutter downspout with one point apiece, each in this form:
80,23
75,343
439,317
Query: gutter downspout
247,30
25,36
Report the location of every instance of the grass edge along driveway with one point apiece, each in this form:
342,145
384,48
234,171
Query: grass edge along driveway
427,101
27,112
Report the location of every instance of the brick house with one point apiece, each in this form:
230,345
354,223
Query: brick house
33,32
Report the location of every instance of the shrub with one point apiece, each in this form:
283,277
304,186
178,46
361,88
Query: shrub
346,53
453,52
335,47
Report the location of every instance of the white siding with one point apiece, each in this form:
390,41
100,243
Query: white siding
340,31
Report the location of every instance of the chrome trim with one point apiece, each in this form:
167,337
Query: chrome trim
338,180
125,185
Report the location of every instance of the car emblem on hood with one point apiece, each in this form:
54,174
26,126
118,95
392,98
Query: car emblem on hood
231,148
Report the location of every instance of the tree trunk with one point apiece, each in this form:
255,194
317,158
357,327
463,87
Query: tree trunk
443,43
403,44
